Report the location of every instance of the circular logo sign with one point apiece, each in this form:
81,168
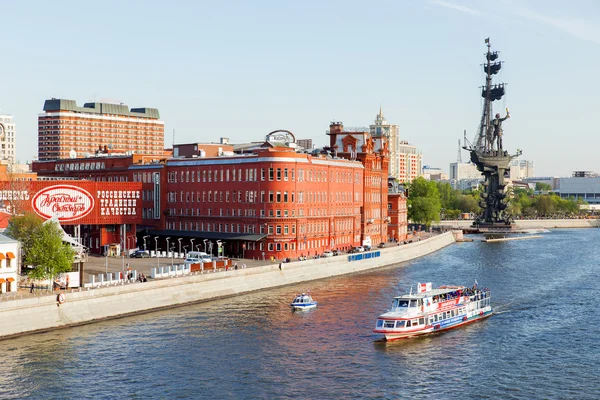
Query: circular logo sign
281,136
65,202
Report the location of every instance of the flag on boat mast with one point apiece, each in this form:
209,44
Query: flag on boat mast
475,282
487,40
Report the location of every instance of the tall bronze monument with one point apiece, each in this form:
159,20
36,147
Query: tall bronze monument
488,154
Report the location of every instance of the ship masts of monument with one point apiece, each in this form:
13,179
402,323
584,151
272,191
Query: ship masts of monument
489,92
491,160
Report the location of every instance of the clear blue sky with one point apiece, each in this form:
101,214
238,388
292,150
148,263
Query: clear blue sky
241,69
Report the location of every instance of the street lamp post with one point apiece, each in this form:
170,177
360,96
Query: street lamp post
192,244
205,240
168,248
147,236
179,240
185,250
156,250
172,255
198,248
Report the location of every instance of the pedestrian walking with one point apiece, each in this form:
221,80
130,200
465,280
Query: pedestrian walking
31,288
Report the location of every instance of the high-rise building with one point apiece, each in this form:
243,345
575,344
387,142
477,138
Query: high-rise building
7,138
68,131
382,128
411,161
405,160
520,169
460,171
464,176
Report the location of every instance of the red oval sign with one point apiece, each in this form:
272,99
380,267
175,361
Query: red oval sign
66,202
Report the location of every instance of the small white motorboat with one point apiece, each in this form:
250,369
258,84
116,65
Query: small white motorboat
303,301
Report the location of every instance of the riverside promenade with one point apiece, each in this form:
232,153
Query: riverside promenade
42,312
523,224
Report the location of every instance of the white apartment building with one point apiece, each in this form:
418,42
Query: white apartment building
459,170
7,138
521,169
464,176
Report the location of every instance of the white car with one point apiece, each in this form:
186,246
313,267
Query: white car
360,249
328,254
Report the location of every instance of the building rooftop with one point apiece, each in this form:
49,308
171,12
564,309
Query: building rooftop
100,108
5,239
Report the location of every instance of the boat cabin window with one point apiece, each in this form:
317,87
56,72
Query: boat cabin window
400,324
415,322
420,302
401,303
421,321
413,303
408,324
380,323
389,324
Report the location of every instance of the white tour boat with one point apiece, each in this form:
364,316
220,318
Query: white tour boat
303,301
433,310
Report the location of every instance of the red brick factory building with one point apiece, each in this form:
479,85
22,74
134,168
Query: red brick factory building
271,202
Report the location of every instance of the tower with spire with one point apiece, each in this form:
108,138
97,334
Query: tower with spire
404,159
380,129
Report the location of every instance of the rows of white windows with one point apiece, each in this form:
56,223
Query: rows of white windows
251,175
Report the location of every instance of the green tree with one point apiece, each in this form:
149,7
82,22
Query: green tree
21,228
468,204
544,205
542,187
448,196
424,203
42,246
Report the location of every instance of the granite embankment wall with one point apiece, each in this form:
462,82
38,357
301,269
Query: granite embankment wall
532,223
44,313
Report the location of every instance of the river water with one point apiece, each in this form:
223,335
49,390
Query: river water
543,342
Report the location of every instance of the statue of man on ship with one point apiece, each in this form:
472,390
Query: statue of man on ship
497,126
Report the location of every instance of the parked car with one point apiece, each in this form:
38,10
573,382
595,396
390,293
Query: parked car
367,248
139,254
328,254
352,250
195,257
358,249
336,252
381,245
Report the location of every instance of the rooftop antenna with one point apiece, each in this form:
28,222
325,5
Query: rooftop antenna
459,158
